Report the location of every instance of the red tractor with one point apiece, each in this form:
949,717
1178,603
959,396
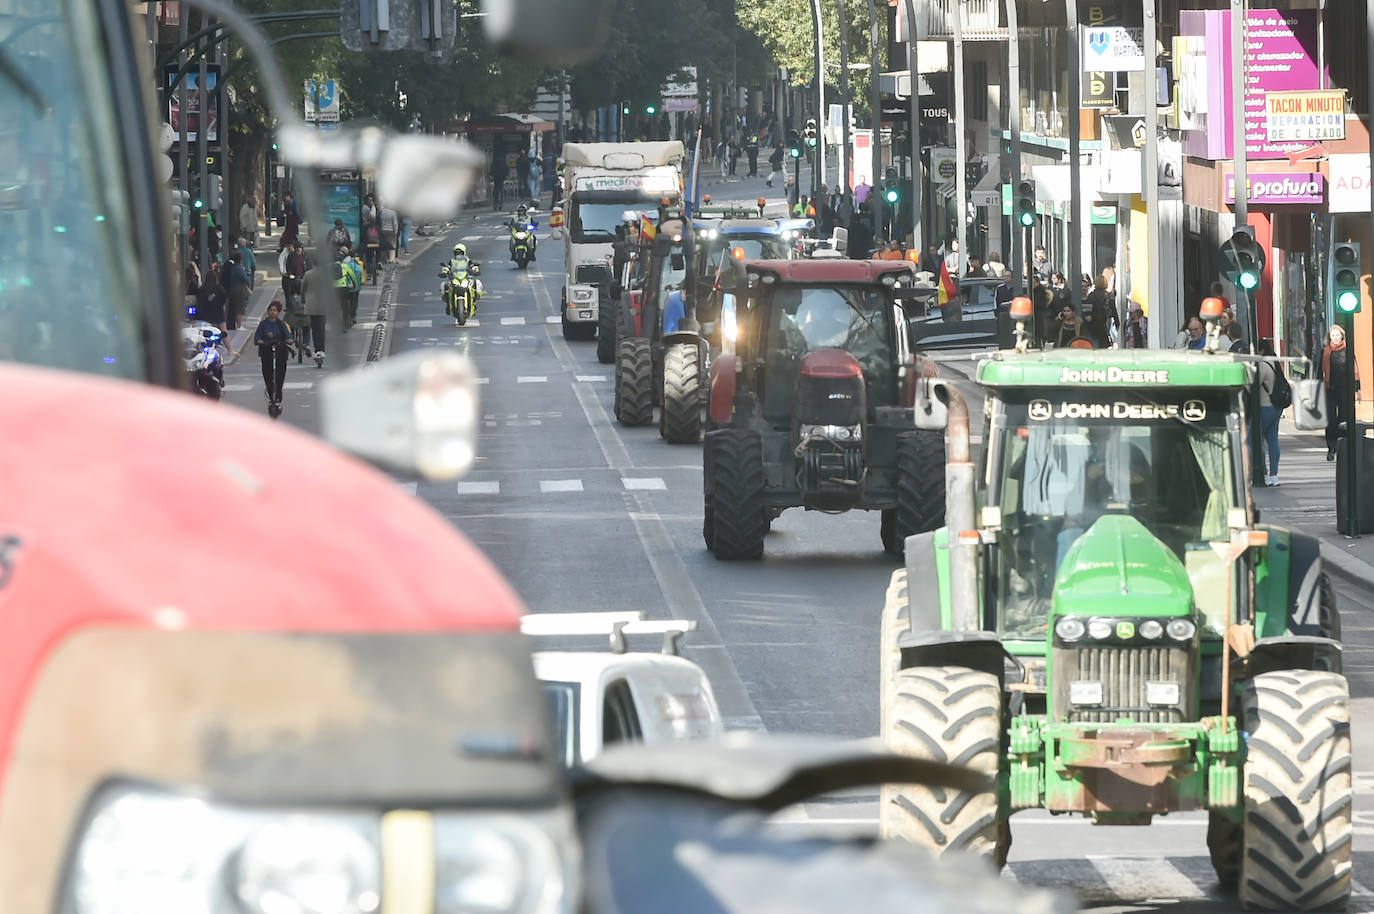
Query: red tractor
813,407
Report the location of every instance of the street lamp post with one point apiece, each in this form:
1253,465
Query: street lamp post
1075,153
818,169
1151,179
914,120
844,98
876,91
1014,128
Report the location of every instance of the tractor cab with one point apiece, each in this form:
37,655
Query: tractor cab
811,402
1115,628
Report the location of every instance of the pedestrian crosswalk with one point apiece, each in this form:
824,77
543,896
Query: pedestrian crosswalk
536,483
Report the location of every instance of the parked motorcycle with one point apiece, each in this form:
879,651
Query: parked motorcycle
203,343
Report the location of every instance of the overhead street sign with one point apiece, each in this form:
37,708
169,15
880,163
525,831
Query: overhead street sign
1113,48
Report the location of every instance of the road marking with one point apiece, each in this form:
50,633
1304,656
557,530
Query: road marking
410,488
236,388
471,323
553,319
480,380
1145,878
298,385
423,323
512,322
531,379
467,238
645,484
592,377
479,488
560,485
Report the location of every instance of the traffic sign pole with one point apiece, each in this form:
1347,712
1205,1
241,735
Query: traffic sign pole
1076,233
1014,128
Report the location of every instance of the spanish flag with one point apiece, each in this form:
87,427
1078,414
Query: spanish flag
948,288
647,229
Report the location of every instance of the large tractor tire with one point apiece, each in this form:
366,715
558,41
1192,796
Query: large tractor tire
896,619
1297,830
634,382
735,508
681,417
947,714
920,488
605,330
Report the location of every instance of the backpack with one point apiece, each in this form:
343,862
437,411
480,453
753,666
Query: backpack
1282,394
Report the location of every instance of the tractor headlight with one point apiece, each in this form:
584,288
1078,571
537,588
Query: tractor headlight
1181,629
1151,629
1099,629
1069,629
157,852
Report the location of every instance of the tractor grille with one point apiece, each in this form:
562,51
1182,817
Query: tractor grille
1125,673
594,274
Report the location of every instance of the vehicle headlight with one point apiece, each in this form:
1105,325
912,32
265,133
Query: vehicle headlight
1151,629
729,328
1069,629
521,236
1099,629
1181,629
158,852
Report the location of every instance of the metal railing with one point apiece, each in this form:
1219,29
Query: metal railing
982,18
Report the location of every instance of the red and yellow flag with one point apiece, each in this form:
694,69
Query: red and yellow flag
948,288
647,229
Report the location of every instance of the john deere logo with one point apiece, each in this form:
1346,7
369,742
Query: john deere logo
1194,410
1125,630
1040,410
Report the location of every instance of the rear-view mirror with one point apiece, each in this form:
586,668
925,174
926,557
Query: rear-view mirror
929,411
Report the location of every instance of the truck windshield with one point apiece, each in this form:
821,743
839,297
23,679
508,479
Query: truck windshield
1056,464
800,319
68,290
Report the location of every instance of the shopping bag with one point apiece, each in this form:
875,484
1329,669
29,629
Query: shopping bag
1309,405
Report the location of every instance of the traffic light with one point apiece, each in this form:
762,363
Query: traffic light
810,133
651,109
794,148
1024,203
1345,276
891,192
625,110
1243,260
213,186
180,210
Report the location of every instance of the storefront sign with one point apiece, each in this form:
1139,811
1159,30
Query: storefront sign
944,167
1113,48
1099,89
1281,188
1309,116
1278,59
1349,183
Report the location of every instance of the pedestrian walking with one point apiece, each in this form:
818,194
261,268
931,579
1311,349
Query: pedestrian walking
734,157
314,308
498,178
1041,263
1267,376
860,234
536,178
1101,313
237,287
1334,357
723,154
248,219
1235,342
994,265
751,150
372,235
339,236
1137,331
273,339
352,288
792,192
1067,327
249,261
404,239
390,225
290,221
775,166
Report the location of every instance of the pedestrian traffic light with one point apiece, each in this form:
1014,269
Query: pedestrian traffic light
1025,203
1242,260
1345,276
811,139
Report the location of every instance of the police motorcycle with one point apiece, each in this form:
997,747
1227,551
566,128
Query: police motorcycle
522,238
203,347
461,288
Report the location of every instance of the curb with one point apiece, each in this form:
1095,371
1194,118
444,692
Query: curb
380,345
1356,568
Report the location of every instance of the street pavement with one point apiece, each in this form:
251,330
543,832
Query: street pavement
581,514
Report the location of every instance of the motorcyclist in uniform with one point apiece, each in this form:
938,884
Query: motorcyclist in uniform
462,263
521,223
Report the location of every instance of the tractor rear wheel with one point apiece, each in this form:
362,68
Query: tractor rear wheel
681,394
947,714
920,487
896,620
634,382
1298,828
735,507
605,330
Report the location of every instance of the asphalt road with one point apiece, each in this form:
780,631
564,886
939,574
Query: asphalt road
584,515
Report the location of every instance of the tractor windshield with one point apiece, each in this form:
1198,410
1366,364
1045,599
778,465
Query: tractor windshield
800,319
769,247
1055,465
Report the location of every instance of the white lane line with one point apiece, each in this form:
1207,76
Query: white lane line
298,385
466,238
592,377
1144,878
408,487
531,379
481,380
479,488
236,388
423,323
652,484
512,322
560,485
553,319
471,323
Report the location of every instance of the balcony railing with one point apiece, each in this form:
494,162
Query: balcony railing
982,19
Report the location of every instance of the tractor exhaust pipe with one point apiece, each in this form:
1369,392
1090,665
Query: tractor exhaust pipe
939,405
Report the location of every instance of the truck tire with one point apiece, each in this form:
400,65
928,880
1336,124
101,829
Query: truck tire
579,332
1297,792
736,505
896,619
605,331
681,417
948,714
634,381
920,487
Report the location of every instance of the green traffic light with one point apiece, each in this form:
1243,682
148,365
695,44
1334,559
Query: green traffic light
891,195
1028,219
795,152
1348,301
811,141
1247,280
625,110
198,204
650,109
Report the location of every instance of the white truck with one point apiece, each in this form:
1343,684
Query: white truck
601,181
600,698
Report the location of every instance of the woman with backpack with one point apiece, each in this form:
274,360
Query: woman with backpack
1275,395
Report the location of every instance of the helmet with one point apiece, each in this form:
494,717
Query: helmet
460,250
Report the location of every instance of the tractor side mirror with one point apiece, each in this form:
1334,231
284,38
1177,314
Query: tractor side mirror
930,411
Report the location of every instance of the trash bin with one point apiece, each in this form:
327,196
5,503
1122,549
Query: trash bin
1364,491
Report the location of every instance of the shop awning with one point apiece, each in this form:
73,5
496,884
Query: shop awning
505,123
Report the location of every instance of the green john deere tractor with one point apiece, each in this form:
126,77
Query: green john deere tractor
1066,631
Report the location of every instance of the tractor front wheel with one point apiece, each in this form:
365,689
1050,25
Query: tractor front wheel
1297,827
681,394
605,330
946,714
920,488
634,382
896,620
734,508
